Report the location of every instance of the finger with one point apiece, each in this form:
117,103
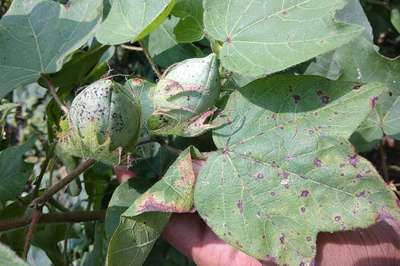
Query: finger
377,245
189,234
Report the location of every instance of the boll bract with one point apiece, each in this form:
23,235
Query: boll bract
184,98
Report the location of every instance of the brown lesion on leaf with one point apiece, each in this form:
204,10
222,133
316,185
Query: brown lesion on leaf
357,86
186,173
282,239
259,176
152,203
324,98
296,98
238,244
361,194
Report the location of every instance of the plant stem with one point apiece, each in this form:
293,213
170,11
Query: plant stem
53,93
384,166
29,235
132,48
43,169
151,61
65,251
38,202
63,217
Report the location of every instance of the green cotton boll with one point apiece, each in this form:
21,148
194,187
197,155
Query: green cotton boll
186,91
103,117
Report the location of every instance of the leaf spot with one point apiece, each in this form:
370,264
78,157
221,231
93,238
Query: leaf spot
239,205
259,176
282,239
353,160
360,194
374,102
305,193
325,99
296,99
317,162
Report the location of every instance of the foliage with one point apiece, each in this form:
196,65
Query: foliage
273,120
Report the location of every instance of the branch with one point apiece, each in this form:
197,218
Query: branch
40,201
43,168
53,93
132,48
58,217
151,61
29,235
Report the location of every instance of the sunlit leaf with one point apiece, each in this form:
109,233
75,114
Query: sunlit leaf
263,37
284,170
132,20
37,35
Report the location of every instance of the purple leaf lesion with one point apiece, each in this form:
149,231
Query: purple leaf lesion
239,205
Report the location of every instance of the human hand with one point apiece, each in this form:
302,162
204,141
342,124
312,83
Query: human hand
378,245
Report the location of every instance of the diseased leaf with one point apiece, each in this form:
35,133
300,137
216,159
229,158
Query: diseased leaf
360,62
263,37
8,257
174,192
14,172
132,20
142,223
190,27
37,35
284,170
